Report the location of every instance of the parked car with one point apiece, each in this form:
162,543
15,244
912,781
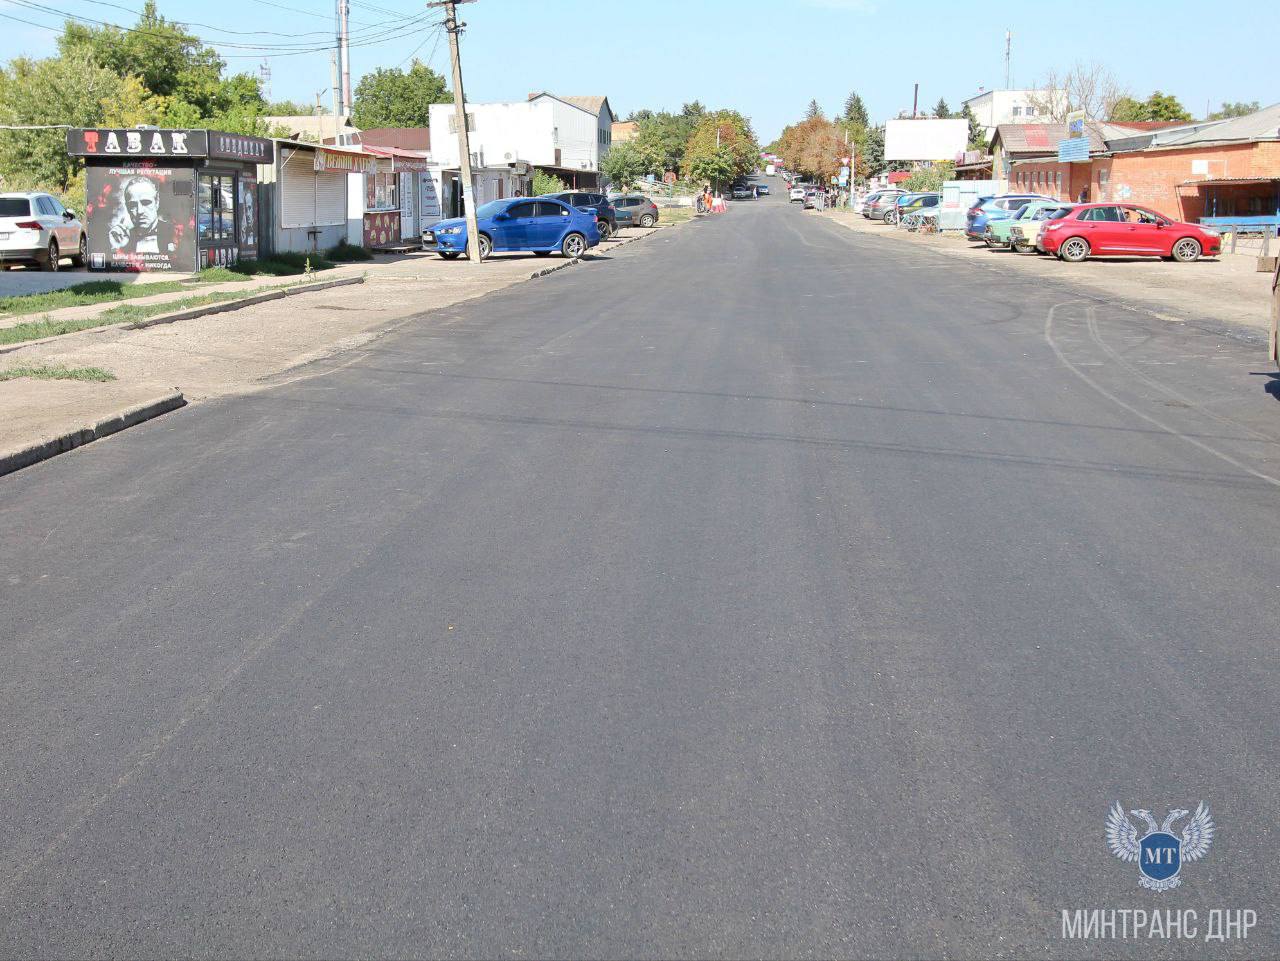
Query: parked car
1027,232
606,216
36,229
999,233
797,193
762,190
542,225
810,197
879,204
913,203
986,209
1109,230
741,193
642,210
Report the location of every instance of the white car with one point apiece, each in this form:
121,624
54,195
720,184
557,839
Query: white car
36,229
797,193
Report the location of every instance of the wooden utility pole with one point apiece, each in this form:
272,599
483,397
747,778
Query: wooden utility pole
460,113
1275,314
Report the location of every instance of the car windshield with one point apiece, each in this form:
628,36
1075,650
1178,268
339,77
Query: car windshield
491,208
15,207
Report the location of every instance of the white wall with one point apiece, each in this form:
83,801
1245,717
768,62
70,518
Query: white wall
925,139
997,106
521,130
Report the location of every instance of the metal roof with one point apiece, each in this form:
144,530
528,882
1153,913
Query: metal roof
1263,124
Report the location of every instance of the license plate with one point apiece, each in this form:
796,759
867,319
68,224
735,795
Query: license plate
4,236
429,237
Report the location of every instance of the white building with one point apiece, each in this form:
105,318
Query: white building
994,107
567,136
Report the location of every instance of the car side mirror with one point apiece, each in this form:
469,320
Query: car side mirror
69,215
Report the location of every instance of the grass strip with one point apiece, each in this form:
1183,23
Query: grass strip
93,292
58,372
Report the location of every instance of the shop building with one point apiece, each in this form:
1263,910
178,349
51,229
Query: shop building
314,196
168,199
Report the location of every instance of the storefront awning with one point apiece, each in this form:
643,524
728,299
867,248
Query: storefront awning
402,161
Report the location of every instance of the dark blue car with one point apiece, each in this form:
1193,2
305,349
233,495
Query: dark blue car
540,225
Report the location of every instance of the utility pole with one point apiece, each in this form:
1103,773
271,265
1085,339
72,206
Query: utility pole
460,113
1008,60
344,54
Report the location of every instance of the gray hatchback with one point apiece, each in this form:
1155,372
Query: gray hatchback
643,211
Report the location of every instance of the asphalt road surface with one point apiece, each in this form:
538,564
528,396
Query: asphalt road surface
763,590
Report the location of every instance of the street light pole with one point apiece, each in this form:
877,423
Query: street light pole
460,113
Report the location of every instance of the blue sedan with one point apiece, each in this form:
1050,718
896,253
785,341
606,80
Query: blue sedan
540,225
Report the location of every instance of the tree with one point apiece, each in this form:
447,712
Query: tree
628,162
1158,106
1089,87
930,178
814,147
390,97
814,112
855,111
977,132
722,147
545,183
941,110
1228,110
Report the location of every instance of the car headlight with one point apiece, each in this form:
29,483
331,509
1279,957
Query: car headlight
449,230
1210,233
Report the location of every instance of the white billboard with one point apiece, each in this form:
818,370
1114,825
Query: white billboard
925,139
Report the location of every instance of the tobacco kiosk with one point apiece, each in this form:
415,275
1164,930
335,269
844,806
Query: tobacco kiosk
180,200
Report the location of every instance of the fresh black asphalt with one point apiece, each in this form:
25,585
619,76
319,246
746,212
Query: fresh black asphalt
763,589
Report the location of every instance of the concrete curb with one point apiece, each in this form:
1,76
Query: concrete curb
578,260
48,447
276,293
551,270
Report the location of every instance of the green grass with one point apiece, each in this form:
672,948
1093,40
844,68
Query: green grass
46,372
347,253
132,313
675,215
93,292
279,265
36,329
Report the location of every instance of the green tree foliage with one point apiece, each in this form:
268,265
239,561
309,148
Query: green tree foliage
855,111
545,183
930,178
977,132
1228,110
813,112
941,110
722,147
628,162
391,97
663,138
1158,106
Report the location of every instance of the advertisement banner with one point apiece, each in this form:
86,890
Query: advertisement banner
140,217
344,160
381,229
248,188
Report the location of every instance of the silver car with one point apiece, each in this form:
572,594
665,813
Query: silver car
880,203
643,211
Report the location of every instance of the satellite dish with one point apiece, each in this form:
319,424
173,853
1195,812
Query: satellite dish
507,157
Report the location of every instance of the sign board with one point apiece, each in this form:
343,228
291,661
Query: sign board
152,143
234,146
1075,123
139,216
344,160
925,139
1075,150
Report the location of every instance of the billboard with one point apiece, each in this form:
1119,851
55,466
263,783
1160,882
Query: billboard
925,139
140,217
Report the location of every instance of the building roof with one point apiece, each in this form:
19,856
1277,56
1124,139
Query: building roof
402,138
1261,125
1041,139
591,105
312,126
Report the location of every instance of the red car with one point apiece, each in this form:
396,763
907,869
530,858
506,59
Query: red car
1110,230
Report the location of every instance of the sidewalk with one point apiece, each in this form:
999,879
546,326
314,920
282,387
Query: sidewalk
1227,289
235,352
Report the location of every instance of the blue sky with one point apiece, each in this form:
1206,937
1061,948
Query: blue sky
766,59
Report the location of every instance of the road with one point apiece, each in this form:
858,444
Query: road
763,590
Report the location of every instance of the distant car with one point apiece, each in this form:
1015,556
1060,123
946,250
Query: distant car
986,209
810,198
999,233
879,204
542,225
914,203
762,189
36,229
741,193
1109,230
642,211
606,216
797,193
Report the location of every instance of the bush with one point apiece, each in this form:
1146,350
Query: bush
346,253
545,183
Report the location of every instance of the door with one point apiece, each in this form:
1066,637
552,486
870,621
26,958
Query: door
408,207
1145,235
68,235
516,231
548,225
1104,229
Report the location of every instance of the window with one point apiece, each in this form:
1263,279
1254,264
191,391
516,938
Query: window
548,209
1031,111
15,207
216,217
382,191
453,122
521,210
1059,182
1102,214
55,207
1017,111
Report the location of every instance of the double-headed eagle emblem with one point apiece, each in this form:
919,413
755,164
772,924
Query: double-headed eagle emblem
1159,852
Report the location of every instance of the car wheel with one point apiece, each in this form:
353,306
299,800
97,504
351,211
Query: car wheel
648,220
82,255
52,263
605,230
1021,248
890,217
992,244
1186,250
486,246
574,246
449,254
1074,250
